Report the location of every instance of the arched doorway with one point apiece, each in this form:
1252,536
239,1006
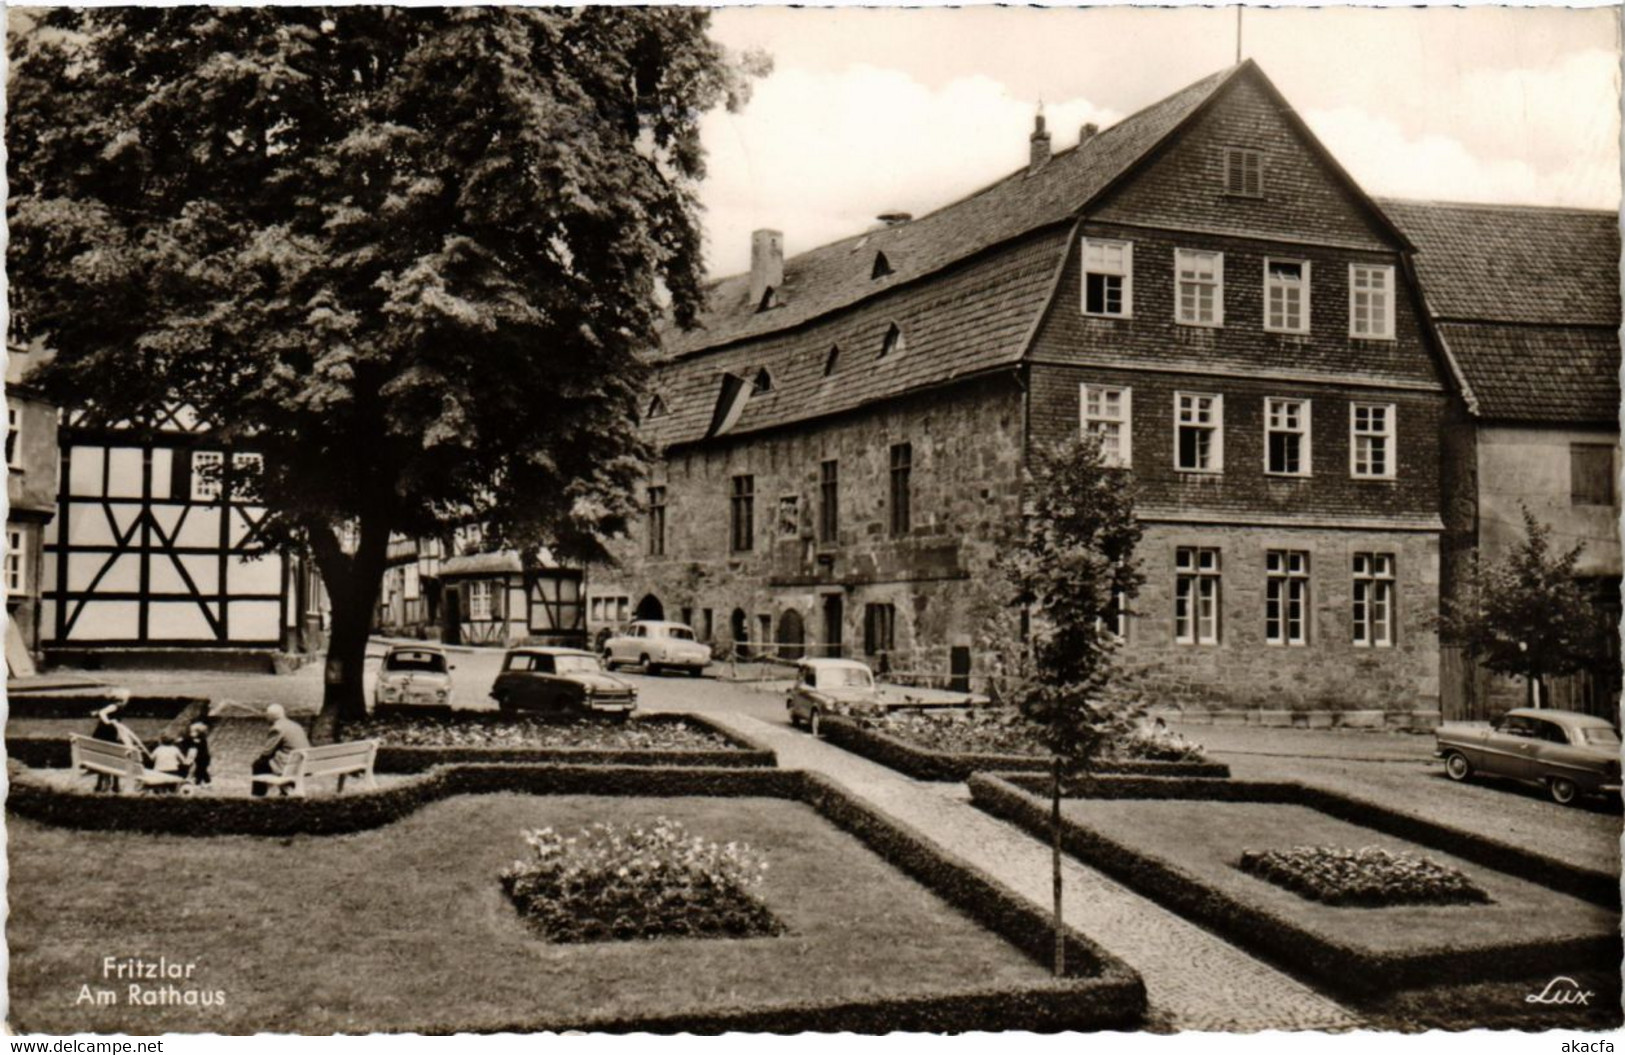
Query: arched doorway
739,630
792,636
650,608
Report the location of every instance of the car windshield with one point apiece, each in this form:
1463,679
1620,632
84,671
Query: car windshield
577,664
844,678
1601,734
428,662
681,633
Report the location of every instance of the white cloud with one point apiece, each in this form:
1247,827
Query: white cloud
819,155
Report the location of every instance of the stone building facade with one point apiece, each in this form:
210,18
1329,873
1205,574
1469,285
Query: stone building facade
1203,285
31,485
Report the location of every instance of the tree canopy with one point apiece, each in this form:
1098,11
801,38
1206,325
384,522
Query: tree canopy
411,254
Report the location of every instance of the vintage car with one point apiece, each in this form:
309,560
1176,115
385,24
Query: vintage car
831,686
561,681
1570,754
654,645
414,675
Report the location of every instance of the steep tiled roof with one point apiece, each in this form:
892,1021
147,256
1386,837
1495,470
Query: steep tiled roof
1514,263
1527,301
838,275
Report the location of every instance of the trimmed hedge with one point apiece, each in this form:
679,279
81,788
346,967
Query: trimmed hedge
1599,888
1357,972
1098,992
65,705
922,763
745,752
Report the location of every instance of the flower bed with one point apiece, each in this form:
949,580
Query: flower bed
1002,731
609,883
1369,876
484,730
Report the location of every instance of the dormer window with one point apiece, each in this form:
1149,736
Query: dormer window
1108,277
832,360
892,342
882,267
1243,172
657,409
763,383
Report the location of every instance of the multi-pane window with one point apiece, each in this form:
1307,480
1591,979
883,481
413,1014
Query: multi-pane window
879,629
902,467
1108,413
1286,597
1286,295
1591,474
1371,439
1115,620
14,432
207,470
657,521
1199,432
1196,595
481,599
1200,280
1286,437
1108,277
1243,172
1374,599
15,555
789,516
742,514
1371,300
829,501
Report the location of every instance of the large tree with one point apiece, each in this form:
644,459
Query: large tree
411,255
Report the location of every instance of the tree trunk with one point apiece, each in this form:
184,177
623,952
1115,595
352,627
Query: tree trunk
353,582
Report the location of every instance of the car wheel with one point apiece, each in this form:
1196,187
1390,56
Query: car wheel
695,672
1563,791
795,722
814,722
645,666
506,706
1456,766
609,660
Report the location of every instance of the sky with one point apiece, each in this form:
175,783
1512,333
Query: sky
873,110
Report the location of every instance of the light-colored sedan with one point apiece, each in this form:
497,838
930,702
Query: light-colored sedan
831,686
1569,754
414,675
655,645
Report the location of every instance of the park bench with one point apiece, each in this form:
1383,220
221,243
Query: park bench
119,761
330,760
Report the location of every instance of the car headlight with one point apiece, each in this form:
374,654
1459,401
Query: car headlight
440,695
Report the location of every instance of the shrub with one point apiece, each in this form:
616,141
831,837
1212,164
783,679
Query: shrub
1004,730
610,883
1369,876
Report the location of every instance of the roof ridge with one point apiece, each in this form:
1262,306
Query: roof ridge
1496,206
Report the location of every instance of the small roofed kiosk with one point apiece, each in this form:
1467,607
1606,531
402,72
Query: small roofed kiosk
493,599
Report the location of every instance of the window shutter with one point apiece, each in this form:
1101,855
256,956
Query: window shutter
1125,438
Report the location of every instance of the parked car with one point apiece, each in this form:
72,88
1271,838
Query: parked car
561,681
1570,754
414,675
654,645
831,686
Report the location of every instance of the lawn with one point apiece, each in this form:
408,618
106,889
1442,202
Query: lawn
1206,839
406,927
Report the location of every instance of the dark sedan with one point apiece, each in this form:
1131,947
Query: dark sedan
1569,754
562,681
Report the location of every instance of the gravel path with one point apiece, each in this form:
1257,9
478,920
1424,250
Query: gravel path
1195,981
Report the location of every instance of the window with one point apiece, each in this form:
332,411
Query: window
657,408
482,599
1374,599
245,471
707,624
789,516
1286,437
1371,440
1115,621
1244,172
892,342
206,472
881,267
879,629
1199,435
1286,597
16,556
1196,596
833,360
902,467
1108,278
829,501
763,383
1591,474
1200,277
1371,301
1108,413
657,521
742,509
14,432
1286,295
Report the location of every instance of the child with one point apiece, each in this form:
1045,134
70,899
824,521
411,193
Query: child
170,761
196,749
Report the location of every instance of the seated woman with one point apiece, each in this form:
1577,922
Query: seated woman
110,729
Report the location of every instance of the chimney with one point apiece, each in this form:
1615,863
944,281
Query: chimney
895,218
1087,132
766,265
1038,153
